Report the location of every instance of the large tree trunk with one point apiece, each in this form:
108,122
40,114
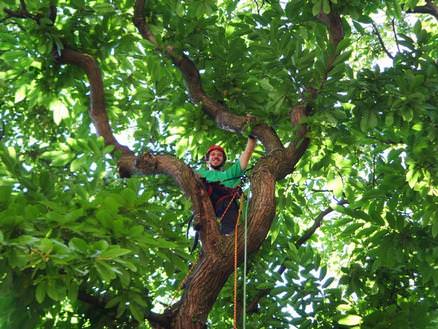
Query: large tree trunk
214,266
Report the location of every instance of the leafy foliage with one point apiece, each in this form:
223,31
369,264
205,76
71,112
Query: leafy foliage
81,248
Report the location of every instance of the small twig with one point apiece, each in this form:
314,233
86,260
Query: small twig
257,6
21,13
376,31
322,191
316,224
395,34
252,306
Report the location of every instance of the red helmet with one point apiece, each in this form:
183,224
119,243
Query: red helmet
215,148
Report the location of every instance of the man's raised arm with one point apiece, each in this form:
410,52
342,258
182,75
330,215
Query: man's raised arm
246,155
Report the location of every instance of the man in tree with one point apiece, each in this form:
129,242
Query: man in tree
223,186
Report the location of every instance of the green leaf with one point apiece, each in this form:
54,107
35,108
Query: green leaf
157,242
113,302
20,94
316,9
55,290
106,271
136,312
180,9
73,290
364,122
327,283
372,120
60,111
40,291
389,119
45,245
138,299
78,163
343,307
293,251
358,27
114,252
121,308
101,245
435,228
350,320
17,259
78,245
326,6
342,57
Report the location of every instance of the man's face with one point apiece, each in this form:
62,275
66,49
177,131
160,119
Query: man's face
215,159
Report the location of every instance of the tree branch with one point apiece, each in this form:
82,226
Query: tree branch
214,267
299,145
182,174
428,8
146,164
376,31
192,187
22,12
395,35
97,111
336,34
220,114
253,305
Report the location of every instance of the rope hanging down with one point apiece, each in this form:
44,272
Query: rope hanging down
239,212
244,260
236,247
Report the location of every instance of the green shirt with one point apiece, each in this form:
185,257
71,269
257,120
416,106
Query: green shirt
229,177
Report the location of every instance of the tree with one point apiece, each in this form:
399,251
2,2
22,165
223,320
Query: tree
92,228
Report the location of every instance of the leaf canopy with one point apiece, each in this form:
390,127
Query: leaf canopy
81,248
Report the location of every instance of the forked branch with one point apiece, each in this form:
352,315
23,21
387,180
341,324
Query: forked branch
382,44
222,116
146,164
